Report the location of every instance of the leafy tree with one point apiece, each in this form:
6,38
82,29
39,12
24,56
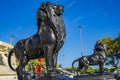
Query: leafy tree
90,70
113,48
70,69
32,65
97,70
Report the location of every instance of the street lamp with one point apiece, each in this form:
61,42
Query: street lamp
81,48
12,39
63,59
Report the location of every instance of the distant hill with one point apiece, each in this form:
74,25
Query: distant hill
4,48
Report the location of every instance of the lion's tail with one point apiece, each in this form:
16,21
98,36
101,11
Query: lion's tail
9,60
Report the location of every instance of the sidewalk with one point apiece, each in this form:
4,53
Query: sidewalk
8,77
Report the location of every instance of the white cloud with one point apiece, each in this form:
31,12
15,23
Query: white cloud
87,15
71,4
19,28
77,19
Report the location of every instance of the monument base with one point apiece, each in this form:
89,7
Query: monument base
56,78
96,77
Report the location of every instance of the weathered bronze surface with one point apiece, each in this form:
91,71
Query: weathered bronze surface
45,43
97,58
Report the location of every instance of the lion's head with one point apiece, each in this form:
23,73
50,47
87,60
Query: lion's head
50,15
100,46
54,8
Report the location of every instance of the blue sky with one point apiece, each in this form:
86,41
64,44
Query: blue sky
100,18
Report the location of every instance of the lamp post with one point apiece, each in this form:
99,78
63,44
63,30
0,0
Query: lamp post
81,47
13,56
12,39
63,59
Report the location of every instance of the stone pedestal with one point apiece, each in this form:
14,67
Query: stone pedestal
56,78
96,77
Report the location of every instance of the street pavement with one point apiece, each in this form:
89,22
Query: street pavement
8,77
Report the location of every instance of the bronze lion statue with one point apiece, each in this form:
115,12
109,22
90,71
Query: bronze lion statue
45,43
97,58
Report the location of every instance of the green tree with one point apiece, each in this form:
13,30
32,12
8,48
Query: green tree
32,65
90,70
70,69
113,47
97,70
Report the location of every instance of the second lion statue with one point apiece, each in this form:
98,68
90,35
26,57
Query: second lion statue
97,58
45,43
